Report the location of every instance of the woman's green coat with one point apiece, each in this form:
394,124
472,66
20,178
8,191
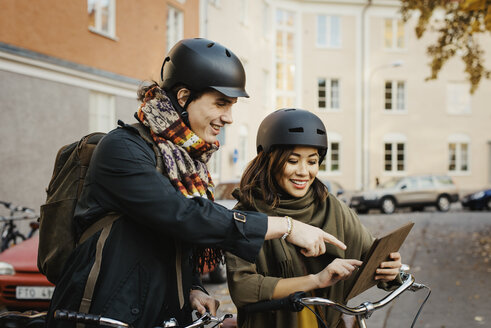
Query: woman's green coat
253,282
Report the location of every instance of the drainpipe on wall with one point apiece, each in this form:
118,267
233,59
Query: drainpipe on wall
203,19
363,167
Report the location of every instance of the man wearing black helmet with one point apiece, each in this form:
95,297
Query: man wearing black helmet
153,176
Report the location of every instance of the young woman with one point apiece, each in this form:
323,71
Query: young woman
281,180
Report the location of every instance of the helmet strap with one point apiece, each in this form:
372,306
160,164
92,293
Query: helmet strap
162,68
182,110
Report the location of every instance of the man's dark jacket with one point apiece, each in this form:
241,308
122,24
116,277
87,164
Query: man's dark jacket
137,280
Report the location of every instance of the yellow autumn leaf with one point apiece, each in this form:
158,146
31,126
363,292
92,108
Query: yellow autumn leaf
473,4
487,19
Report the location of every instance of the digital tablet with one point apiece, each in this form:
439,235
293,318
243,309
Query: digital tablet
378,253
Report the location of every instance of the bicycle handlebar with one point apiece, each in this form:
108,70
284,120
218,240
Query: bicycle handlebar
297,301
97,320
91,319
18,218
291,303
366,308
13,208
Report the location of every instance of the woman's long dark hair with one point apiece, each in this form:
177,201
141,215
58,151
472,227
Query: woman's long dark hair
258,180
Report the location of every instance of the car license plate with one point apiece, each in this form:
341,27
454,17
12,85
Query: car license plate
34,292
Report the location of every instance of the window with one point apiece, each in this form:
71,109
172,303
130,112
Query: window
332,162
102,113
458,98
214,164
242,143
174,27
328,93
102,16
285,59
394,153
395,95
328,31
458,153
394,34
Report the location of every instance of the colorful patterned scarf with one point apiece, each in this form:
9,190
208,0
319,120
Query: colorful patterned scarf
184,153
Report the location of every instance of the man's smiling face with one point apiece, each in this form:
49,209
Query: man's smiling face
209,113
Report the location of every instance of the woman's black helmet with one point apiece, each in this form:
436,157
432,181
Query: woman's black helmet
292,127
200,64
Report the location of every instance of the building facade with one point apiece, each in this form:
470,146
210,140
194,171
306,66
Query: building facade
355,64
68,68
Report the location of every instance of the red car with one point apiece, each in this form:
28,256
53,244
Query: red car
22,286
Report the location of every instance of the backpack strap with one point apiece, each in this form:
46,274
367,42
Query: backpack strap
105,224
146,135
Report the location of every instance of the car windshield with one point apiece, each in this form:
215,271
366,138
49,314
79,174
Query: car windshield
390,183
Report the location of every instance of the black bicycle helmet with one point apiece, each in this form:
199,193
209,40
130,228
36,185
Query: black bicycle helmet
200,64
292,126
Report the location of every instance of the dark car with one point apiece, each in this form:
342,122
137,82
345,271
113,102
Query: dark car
22,286
480,200
415,192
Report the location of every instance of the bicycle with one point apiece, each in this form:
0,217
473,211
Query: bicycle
38,319
297,301
9,233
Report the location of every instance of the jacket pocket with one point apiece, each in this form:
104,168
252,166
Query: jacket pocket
127,303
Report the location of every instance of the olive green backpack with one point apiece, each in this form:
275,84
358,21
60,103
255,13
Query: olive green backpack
56,231
57,238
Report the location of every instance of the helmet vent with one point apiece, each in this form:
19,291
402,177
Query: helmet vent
296,130
209,45
227,53
321,132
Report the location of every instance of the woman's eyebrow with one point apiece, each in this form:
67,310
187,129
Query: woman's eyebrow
311,155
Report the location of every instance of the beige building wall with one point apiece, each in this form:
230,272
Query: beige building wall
426,125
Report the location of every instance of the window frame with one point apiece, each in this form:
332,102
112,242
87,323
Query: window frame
394,27
105,104
394,139
329,23
394,99
326,166
328,98
97,28
459,140
285,97
174,32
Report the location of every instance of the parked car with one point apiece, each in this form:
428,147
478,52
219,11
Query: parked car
223,193
337,190
480,200
22,286
415,192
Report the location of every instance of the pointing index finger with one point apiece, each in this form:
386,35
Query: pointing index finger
328,238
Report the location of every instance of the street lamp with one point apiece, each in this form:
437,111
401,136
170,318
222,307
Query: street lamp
366,120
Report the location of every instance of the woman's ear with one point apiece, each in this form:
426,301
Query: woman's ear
182,96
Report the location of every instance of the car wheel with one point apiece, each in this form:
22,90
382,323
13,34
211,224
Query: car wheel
388,205
443,203
488,204
218,275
